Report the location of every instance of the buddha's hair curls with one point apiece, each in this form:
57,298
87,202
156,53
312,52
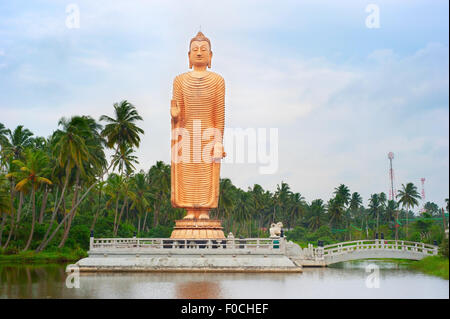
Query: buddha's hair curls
199,37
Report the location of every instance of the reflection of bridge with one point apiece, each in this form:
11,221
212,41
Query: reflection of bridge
364,249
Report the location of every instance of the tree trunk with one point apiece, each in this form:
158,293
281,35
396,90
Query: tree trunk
139,226
56,208
115,214
155,215
74,200
120,216
65,218
33,221
43,206
19,210
98,209
52,219
407,224
46,242
145,221
4,216
95,219
396,226
12,194
378,217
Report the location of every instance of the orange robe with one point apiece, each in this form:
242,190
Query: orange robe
195,183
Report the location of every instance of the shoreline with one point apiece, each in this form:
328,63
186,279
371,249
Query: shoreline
434,265
45,257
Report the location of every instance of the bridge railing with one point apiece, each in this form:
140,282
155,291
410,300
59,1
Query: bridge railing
395,245
147,244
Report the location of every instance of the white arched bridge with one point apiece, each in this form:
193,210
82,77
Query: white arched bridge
362,249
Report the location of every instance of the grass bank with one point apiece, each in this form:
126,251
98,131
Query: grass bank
433,265
30,257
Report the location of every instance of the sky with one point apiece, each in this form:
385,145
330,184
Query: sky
341,92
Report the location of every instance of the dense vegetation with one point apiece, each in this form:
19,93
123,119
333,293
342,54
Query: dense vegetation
54,191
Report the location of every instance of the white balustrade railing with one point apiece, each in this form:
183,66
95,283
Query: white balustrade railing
272,244
394,245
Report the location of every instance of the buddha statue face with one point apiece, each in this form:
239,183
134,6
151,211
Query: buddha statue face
200,53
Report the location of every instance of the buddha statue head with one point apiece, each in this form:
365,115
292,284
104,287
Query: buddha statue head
200,53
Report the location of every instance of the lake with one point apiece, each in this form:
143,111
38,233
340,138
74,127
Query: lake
345,280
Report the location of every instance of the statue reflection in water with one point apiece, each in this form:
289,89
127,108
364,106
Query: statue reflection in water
198,290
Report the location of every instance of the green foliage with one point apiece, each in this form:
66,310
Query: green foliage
433,265
60,189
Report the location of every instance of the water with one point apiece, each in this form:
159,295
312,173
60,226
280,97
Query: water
346,280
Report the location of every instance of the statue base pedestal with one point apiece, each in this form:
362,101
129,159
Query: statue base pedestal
198,229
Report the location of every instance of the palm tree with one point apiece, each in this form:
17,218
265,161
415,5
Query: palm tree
226,203
343,192
140,198
5,204
19,139
390,211
4,132
297,208
355,202
31,175
317,214
76,146
374,206
125,160
408,196
335,208
281,197
159,179
122,132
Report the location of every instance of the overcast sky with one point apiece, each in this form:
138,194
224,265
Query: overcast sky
342,95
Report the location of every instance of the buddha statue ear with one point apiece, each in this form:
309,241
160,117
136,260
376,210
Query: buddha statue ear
190,63
210,58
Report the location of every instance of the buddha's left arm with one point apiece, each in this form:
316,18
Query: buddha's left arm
220,117
220,107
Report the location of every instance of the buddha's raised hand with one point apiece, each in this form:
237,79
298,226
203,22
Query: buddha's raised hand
174,110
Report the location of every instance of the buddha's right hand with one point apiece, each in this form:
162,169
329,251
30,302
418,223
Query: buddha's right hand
174,109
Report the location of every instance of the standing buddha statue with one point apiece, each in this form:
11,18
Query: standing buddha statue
198,118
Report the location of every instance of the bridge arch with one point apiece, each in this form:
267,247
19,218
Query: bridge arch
370,249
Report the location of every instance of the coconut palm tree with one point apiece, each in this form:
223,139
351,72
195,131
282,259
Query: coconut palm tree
316,214
31,176
336,209
77,146
408,196
281,198
390,211
159,179
226,202
5,204
374,207
4,132
343,192
140,200
122,132
125,160
297,208
19,140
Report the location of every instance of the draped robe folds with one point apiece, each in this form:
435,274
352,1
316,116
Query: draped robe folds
194,175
